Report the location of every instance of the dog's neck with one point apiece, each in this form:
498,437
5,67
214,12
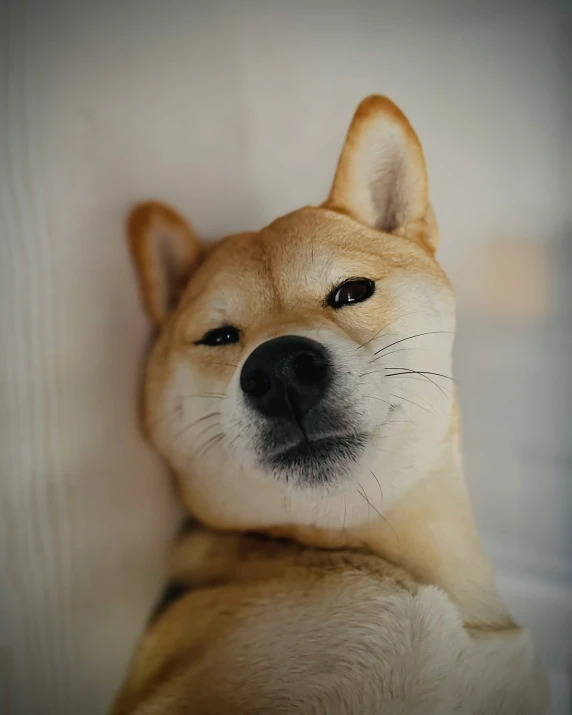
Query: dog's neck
431,532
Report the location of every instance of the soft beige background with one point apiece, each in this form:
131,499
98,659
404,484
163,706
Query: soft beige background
235,111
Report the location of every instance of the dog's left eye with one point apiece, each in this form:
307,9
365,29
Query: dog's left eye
220,336
355,290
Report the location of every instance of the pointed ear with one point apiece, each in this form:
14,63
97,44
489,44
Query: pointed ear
165,251
381,179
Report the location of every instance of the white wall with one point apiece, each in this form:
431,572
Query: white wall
235,112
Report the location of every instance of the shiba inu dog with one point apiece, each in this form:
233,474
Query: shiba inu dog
300,388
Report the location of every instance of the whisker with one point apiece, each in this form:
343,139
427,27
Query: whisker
167,415
403,350
411,337
363,494
172,412
190,426
203,418
379,485
398,422
233,440
379,399
422,372
430,403
209,444
205,395
207,428
380,332
422,378
407,371
400,397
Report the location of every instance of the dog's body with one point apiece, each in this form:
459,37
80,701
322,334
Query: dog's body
299,387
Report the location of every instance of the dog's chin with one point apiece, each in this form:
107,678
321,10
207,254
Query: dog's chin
316,462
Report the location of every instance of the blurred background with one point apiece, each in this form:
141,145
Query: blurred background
235,111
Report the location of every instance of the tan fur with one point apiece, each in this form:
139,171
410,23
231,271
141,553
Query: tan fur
370,594
156,221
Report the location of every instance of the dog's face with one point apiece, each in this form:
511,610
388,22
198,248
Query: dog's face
301,373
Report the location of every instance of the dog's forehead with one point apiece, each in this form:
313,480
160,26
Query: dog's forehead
299,248
294,261
312,246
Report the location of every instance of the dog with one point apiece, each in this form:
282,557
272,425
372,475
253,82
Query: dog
300,388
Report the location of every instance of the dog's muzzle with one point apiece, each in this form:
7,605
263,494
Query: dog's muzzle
288,382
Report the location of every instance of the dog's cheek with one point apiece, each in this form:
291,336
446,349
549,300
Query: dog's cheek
361,389
241,430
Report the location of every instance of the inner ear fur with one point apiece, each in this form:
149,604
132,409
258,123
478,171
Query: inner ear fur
381,177
165,250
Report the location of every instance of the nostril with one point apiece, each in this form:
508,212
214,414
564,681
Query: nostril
286,377
256,383
309,368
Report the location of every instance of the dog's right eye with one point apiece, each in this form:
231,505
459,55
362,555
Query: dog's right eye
227,335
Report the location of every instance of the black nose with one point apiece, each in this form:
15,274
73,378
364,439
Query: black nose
286,377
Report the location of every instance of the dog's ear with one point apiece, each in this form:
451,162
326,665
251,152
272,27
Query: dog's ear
165,250
381,179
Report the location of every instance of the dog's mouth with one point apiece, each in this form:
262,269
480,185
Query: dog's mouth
316,461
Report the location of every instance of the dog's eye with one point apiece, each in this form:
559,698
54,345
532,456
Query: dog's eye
220,336
355,290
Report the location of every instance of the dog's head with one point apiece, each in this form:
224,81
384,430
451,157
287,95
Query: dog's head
301,373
